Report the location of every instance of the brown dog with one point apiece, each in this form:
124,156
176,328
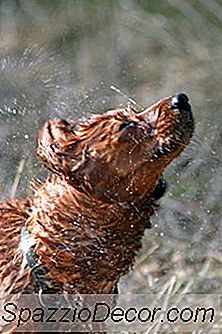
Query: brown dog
81,230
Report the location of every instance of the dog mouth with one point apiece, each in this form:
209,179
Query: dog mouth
172,124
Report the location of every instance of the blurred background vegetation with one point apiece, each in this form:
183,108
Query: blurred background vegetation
59,58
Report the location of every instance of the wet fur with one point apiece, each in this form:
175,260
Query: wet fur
87,220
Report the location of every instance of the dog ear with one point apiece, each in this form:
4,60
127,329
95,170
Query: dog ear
59,147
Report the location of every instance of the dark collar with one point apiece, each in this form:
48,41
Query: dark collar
38,271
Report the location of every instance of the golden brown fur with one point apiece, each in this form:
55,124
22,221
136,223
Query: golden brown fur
87,220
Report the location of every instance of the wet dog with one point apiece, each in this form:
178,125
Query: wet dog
82,228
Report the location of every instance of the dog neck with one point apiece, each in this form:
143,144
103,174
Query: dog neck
81,239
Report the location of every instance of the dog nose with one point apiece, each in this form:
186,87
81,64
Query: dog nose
180,101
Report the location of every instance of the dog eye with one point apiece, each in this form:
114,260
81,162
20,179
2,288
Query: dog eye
127,123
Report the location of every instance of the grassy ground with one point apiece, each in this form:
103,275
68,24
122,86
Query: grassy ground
59,58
